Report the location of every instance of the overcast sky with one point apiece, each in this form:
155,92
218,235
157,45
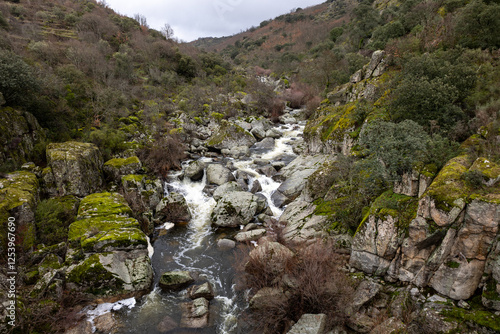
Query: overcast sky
191,19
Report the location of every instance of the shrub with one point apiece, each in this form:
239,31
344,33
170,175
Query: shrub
478,24
314,283
18,83
53,217
398,145
163,155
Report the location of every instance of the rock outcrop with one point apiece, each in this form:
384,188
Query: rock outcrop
18,200
20,134
113,247
75,168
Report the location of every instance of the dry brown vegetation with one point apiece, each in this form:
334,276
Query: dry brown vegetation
313,282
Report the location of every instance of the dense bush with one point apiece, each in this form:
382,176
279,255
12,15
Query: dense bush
18,82
478,24
433,88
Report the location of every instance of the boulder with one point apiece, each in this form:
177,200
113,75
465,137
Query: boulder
250,235
256,187
142,191
201,291
112,273
195,170
310,324
18,201
381,233
218,174
173,208
377,65
226,244
76,167
265,144
20,134
175,280
116,259
226,188
114,169
195,314
301,224
230,135
409,184
237,208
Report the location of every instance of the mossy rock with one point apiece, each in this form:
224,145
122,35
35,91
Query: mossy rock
18,199
449,189
103,204
93,276
175,280
116,168
76,167
230,135
20,136
98,227
489,170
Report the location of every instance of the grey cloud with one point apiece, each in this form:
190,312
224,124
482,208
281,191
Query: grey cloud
192,19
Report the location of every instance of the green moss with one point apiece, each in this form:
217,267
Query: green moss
333,124
68,151
93,274
121,162
227,130
103,204
479,317
120,238
490,290
86,228
448,186
452,264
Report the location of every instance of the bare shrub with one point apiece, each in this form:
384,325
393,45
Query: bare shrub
312,281
163,155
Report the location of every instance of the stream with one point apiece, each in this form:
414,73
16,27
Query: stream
193,247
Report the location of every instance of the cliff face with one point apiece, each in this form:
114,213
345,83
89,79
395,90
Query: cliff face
20,134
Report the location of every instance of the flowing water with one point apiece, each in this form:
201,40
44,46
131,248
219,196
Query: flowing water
194,248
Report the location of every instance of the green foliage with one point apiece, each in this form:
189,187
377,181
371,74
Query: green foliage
478,24
109,141
335,33
18,82
473,178
52,218
3,22
398,145
186,67
433,88
439,150
383,33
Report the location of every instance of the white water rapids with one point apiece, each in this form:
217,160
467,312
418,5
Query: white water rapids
193,248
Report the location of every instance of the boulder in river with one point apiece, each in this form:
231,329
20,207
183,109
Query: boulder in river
195,314
230,135
173,208
237,208
175,280
218,174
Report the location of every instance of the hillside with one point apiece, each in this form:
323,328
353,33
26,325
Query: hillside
343,159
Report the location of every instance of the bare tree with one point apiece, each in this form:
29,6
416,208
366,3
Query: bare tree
141,19
167,31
